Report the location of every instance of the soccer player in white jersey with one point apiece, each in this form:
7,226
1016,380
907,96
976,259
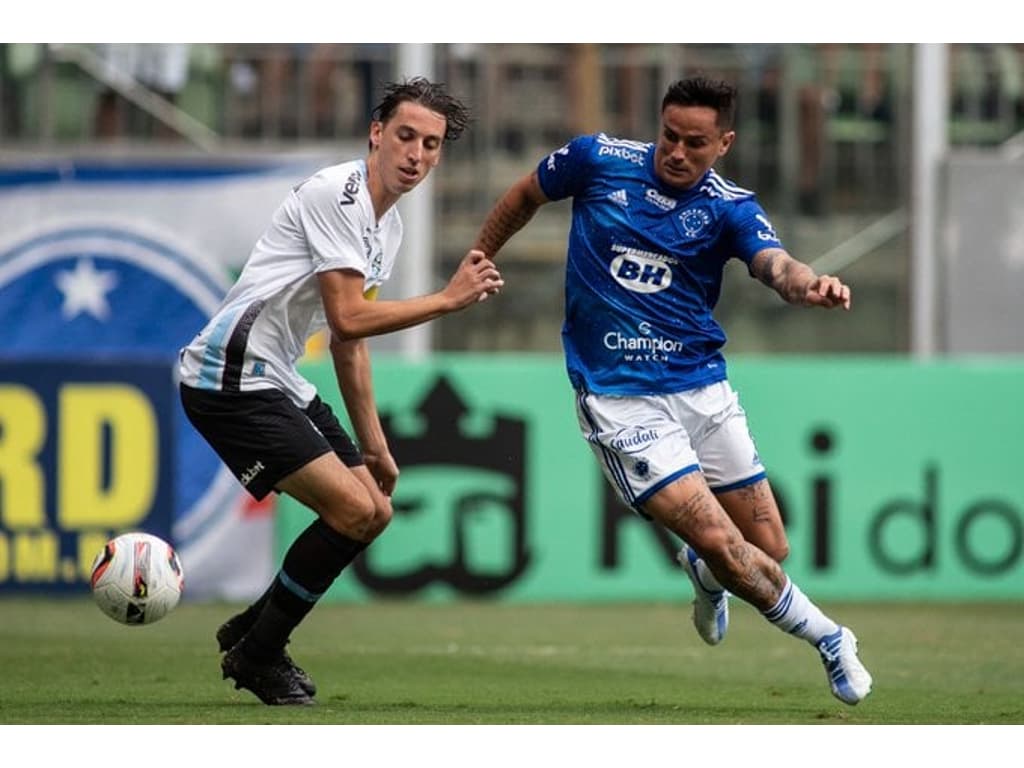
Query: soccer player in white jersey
330,244
652,227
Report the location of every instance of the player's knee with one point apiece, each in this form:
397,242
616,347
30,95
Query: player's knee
775,545
352,515
363,512
383,512
715,545
778,551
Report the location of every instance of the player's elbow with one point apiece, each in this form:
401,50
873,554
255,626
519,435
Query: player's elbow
346,328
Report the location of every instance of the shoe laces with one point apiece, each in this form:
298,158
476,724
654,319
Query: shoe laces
829,648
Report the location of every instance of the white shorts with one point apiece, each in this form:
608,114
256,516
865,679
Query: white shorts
645,442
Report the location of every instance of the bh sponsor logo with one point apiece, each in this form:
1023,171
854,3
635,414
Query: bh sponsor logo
641,272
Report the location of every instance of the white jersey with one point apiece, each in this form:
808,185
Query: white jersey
260,330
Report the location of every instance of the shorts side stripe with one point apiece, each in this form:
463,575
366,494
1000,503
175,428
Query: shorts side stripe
611,461
581,401
234,356
614,465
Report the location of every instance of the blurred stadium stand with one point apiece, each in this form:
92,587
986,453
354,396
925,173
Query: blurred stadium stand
823,136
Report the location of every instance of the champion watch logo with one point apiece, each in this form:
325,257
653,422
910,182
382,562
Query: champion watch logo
619,197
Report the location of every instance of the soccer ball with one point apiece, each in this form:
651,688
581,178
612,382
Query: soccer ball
137,578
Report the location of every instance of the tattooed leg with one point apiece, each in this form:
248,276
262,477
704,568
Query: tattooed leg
689,509
754,510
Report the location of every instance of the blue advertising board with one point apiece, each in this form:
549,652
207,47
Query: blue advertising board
86,451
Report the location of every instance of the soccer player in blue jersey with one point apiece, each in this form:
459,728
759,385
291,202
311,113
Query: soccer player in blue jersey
653,226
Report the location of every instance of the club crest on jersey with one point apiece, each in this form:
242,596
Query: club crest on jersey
695,220
639,271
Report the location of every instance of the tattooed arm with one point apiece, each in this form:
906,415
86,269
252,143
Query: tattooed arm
796,282
510,214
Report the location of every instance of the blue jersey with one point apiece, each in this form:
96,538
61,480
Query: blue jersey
644,267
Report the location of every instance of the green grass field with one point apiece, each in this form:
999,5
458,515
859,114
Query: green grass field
63,662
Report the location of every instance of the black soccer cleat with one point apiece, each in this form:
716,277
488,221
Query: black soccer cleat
274,682
233,630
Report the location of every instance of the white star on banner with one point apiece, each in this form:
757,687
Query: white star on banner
85,290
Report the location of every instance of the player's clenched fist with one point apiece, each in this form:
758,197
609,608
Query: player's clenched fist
474,280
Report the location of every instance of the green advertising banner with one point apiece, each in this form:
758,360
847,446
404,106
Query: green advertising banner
897,480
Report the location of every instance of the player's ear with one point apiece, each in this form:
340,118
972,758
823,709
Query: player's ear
725,142
376,131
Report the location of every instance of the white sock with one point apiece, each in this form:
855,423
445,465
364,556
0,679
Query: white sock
797,615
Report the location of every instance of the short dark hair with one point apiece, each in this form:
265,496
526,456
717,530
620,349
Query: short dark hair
701,91
433,96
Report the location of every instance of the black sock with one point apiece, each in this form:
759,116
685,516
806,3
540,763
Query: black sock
250,614
312,563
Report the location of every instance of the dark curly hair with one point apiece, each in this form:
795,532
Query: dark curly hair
433,96
701,91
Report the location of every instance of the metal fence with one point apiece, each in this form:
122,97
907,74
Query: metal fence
823,136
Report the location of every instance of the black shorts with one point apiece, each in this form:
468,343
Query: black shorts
263,436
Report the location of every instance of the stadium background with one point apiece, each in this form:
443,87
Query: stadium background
134,181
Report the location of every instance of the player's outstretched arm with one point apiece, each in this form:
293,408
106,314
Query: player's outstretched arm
797,283
351,315
511,213
475,279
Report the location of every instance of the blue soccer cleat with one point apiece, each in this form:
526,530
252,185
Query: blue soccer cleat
849,680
